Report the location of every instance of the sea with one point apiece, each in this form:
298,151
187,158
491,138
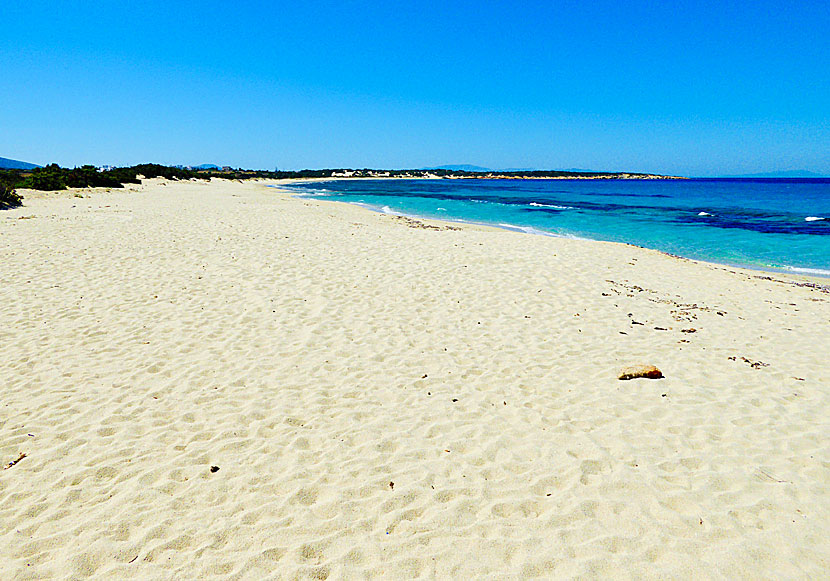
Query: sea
766,224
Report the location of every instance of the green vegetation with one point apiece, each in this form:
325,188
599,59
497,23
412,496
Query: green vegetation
54,177
8,196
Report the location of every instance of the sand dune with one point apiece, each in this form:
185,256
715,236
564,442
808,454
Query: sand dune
387,401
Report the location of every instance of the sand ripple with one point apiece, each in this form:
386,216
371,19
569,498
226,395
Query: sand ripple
389,402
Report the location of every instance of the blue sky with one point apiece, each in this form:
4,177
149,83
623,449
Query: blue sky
693,88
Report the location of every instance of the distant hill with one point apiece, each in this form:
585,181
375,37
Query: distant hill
14,164
197,167
793,173
463,167
568,169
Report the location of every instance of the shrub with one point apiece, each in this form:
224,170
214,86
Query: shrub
46,178
9,198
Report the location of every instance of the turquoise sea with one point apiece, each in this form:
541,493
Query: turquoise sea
771,224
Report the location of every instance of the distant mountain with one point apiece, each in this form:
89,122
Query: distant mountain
14,164
568,169
793,173
463,167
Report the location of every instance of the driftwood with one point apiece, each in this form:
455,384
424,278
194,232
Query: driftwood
13,462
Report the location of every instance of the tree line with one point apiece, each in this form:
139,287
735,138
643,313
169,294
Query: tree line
54,177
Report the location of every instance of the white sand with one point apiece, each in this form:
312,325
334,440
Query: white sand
319,352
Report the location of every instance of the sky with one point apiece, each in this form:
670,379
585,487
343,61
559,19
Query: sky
688,88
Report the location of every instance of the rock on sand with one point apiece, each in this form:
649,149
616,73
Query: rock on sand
634,371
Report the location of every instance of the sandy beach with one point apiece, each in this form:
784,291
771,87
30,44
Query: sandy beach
217,380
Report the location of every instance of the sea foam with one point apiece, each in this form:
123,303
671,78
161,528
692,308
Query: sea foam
538,205
528,230
815,271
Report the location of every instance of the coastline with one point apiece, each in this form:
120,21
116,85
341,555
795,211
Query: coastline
811,275
394,398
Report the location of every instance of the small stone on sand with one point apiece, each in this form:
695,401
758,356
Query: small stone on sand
634,371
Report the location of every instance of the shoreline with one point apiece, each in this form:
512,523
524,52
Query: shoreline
221,379
814,276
